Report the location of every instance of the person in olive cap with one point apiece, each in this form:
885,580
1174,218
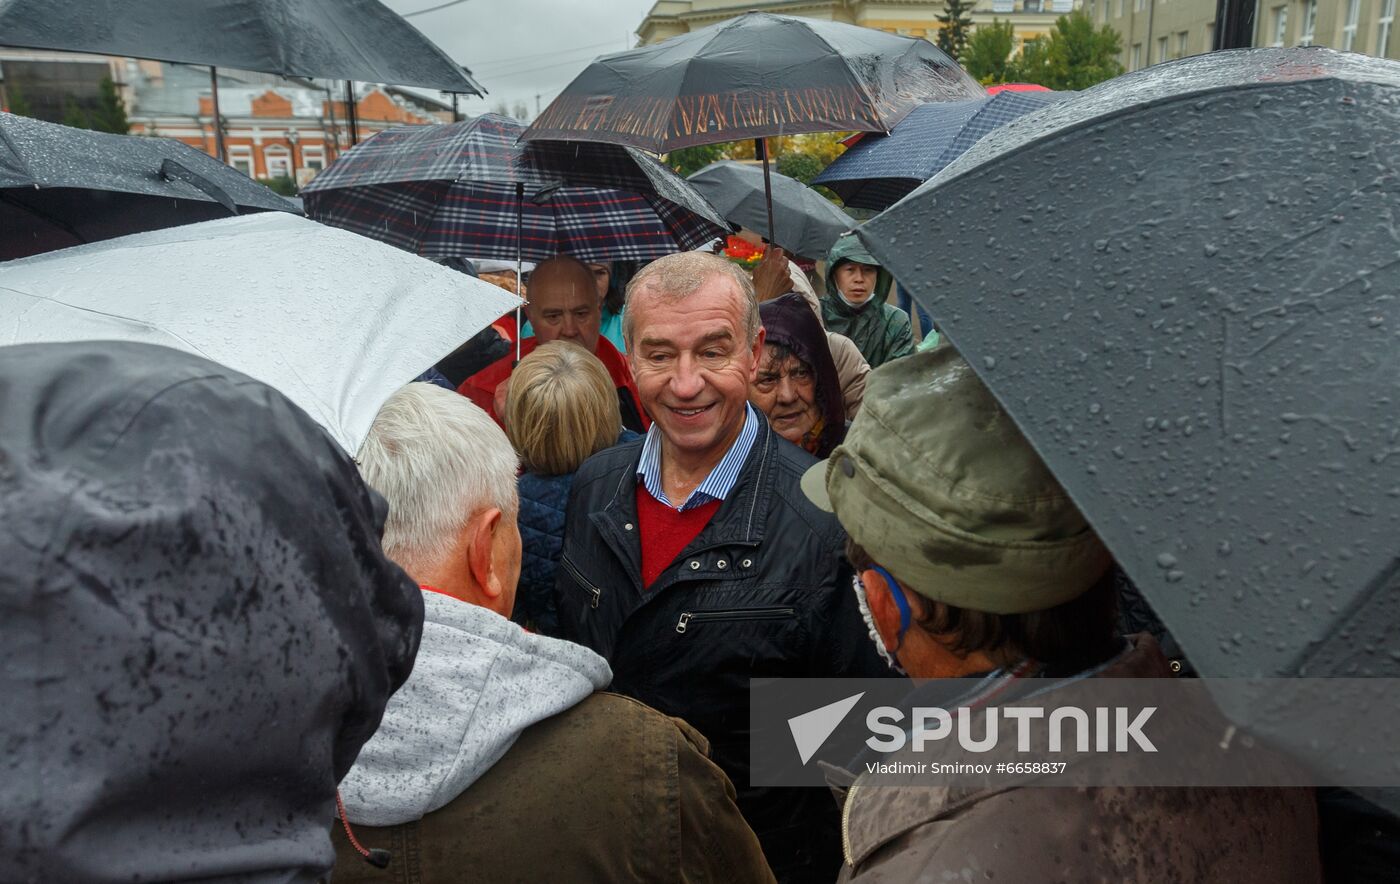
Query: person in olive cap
974,561
855,304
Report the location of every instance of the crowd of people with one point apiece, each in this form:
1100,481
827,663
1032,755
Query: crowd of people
513,639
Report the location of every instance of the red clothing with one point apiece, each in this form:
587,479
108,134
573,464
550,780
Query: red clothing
481,387
664,532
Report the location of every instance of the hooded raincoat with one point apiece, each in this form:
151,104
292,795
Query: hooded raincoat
882,331
790,323
199,627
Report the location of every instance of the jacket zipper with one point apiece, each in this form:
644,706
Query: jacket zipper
578,578
846,825
734,614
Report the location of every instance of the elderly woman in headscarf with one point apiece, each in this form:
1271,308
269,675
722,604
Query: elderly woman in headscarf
797,386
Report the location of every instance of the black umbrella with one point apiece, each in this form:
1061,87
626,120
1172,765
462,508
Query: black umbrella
335,39
1183,285
811,222
60,186
754,76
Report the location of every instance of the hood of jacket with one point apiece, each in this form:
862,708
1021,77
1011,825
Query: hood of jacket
479,681
200,627
850,248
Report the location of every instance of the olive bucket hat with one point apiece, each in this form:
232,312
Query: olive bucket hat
938,485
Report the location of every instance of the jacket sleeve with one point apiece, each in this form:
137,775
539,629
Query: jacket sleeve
900,335
716,843
851,369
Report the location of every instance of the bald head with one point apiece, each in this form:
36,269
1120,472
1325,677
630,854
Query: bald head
564,303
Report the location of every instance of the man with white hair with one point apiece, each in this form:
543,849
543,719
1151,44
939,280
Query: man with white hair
691,559
500,742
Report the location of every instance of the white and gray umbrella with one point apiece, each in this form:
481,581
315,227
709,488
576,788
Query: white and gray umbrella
334,321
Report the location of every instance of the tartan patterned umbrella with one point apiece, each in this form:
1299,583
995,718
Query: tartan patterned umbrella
876,172
462,189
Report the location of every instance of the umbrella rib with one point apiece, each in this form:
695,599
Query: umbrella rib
117,316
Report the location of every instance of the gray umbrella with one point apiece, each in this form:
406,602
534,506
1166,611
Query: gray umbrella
61,187
808,223
336,39
1183,285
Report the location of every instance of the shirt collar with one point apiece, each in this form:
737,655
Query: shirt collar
717,484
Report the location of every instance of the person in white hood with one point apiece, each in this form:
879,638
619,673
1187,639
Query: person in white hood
501,754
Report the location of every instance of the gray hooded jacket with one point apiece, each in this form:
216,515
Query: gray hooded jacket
478,682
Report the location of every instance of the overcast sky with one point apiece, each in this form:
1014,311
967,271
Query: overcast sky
519,48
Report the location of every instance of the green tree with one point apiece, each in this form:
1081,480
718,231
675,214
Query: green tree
282,184
110,114
957,25
19,104
1031,65
989,51
802,166
689,160
1079,56
74,115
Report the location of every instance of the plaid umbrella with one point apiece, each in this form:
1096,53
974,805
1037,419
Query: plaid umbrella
467,189
876,172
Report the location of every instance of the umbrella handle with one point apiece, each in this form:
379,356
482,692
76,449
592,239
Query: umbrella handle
760,147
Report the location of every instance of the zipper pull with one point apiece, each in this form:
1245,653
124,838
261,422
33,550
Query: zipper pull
681,623
597,597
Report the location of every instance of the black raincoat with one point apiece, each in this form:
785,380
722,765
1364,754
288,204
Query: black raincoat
199,627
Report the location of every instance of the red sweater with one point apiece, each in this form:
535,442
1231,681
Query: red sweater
665,532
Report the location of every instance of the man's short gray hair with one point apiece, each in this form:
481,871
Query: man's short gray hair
678,276
438,459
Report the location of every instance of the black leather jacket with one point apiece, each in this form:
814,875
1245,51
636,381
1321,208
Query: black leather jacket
764,591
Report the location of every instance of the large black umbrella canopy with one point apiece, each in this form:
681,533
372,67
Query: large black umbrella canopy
61,186
808,223
336,39
1183,285
473,189
754,76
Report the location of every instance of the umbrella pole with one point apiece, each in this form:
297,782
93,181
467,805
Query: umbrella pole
218,118
519,262
760,147
352,118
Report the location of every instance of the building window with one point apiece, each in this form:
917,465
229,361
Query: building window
1135,58
1309,23
1210,38
241,158
1161,49
1281,24
1120,8
313,158
1383,25
1181,38
278,161
1139,5
1349,29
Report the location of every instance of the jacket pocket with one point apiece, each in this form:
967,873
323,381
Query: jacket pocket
690,617
595,594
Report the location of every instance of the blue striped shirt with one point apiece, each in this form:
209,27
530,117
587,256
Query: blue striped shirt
717,484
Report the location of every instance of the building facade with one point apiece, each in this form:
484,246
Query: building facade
1029,18
1159,30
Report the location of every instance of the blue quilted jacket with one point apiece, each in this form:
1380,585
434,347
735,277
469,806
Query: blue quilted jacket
543,500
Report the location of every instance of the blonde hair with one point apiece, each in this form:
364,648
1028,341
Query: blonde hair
678,276
438,460
561,408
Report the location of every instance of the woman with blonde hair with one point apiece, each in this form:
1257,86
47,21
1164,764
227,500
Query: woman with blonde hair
561,408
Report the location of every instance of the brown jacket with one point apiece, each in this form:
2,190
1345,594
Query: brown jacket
609,790
1087,834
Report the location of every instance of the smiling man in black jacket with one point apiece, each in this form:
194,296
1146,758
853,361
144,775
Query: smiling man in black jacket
693,562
